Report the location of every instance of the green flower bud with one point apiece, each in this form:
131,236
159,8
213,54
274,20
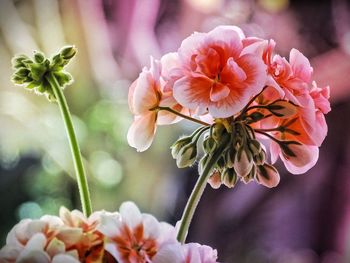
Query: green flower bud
17,62
39,57
260,158
230,157
187,155
68,52
229,177
217,132
179,144
209,144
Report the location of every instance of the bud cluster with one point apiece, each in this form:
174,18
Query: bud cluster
33,72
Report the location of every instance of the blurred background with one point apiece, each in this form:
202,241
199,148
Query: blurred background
304,220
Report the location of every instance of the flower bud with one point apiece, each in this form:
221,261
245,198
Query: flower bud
218,129
230,157
256,116
251,175
260,158
39,57
179,144
187,155
282,109
68,52
230,177
267,175
243,162
209,144
215,180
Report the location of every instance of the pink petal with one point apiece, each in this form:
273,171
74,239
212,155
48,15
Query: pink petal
142,130
300,65
218,92
192,92
130,214
145,95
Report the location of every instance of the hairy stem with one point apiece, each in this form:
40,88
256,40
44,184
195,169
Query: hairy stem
197,192
77,159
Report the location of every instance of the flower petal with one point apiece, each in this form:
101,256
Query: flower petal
130,214
300,65
142,130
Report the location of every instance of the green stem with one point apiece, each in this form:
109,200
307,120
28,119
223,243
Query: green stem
77,159
182,115
197,192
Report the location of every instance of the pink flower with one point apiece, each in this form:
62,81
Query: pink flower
72,238
196,253
147,93
135,237
216,74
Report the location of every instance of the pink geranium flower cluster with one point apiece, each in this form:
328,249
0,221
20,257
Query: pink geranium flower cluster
127,236
239,88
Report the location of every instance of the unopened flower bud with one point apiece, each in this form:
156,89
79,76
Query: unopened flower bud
187,155
215,180
68,52
230,157
282,109
209,144
260,158
177,146
250,176
230,177
254,146
256,116
267,175
39,57
243,162
218,129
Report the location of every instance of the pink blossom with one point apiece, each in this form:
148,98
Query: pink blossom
215,74
196,253
72,238
135,237
147,93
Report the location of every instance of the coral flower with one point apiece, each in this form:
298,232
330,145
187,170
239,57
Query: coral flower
217,74
135,237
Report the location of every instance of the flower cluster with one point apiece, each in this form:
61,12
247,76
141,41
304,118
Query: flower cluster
33,73
247,100
127,236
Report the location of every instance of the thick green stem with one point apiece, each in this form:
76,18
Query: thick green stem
77,159
197,192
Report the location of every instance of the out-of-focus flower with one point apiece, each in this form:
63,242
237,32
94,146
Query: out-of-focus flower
135,237
71,238
218,75
196,253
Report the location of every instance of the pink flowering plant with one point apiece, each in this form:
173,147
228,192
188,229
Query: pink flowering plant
252,107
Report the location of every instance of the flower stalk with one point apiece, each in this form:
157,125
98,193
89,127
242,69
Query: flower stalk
74,146
198,190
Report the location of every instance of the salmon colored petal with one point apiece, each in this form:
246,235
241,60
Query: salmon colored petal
300,65
142,130
306,158
219,92
192,92
145,95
